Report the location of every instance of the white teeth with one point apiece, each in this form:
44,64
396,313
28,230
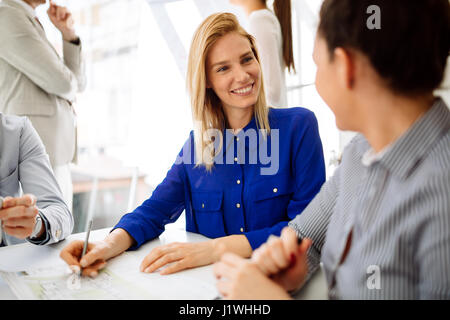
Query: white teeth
243,91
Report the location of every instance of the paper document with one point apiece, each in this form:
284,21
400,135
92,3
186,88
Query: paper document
58,284
29,256
121,279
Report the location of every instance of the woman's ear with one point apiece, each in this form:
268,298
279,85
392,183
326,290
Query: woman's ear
345,65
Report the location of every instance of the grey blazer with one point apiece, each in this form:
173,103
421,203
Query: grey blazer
37,83
25,167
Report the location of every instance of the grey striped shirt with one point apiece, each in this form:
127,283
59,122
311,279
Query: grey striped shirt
397,210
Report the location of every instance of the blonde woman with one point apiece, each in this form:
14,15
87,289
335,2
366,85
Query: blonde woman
243,173
273,33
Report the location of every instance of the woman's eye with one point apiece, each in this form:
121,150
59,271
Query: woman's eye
222,69
247,59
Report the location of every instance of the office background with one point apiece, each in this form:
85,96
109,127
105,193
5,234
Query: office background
135,115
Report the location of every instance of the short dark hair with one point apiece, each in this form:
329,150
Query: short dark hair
410,49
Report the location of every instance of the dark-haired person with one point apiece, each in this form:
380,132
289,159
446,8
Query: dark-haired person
381,224
273,34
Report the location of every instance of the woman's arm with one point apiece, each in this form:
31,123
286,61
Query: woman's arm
308,168
164,206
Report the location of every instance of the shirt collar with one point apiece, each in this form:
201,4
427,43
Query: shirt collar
370,156
22,5
403,155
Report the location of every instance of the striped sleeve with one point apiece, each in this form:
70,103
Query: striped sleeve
314,220
433,246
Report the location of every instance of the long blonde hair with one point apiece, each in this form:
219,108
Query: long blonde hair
207,111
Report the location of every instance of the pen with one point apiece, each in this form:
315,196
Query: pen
86,242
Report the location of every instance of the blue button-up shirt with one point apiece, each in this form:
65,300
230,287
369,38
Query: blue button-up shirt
255,187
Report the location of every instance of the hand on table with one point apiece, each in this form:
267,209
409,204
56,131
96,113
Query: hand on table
18,215
182,255
62,20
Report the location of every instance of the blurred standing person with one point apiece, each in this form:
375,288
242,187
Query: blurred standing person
273,33
36,82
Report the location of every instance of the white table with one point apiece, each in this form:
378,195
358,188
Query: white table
31,256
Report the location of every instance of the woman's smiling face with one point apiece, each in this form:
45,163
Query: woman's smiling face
233,71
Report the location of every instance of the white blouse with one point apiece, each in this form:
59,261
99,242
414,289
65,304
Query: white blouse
265,27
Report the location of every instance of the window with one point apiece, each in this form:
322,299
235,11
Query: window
135,107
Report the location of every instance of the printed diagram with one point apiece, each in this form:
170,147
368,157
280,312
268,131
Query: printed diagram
58,284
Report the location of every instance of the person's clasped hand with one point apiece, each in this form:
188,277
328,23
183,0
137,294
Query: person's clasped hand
275,268
62,20
18,215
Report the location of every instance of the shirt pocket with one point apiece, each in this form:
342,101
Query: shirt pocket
270,198
9,185
208,211
30,108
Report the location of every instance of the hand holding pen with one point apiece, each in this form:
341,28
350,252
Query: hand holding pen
75,253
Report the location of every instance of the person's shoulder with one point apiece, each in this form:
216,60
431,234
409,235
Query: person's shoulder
291,114
12,123
355,148
9,13
12,20
263,14
437,161
259,17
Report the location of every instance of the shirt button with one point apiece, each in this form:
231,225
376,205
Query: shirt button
238,181
203,205
275,190
238,205
237,138
235,159
242,229
58,234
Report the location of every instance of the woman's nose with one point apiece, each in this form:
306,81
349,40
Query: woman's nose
241,75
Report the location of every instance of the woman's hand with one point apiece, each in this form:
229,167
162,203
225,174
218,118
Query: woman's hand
97,253
181,255
191,255
283,259
94,259
241,279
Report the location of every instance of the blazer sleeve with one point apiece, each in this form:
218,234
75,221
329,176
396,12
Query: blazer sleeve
74,60
36,177
164,206
309,171
24,49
